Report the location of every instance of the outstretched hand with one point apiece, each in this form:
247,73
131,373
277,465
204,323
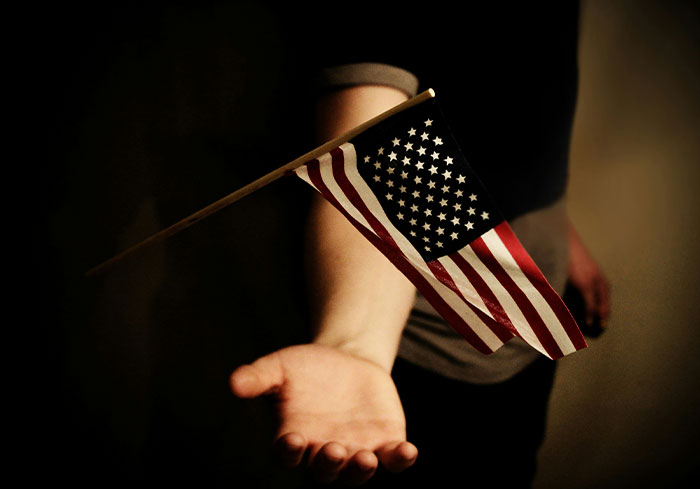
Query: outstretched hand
341,410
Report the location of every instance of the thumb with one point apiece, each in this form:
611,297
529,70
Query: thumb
263,376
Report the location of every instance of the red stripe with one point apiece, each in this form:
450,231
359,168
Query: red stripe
485,293
351,193
393,253
498,328
533,273
390,250
528,310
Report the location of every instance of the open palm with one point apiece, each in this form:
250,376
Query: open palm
342,410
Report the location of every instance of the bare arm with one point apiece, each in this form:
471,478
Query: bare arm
360,300
335,397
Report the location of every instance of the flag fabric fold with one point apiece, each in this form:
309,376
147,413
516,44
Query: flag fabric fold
405,185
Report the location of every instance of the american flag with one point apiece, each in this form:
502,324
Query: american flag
405,185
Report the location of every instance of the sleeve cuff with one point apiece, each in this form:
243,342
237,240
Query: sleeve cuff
368,74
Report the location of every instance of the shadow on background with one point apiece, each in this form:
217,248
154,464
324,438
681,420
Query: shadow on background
624,411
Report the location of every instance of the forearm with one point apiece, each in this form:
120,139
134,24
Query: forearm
360,300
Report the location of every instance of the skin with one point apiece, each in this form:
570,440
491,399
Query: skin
587,277
342,410
335,398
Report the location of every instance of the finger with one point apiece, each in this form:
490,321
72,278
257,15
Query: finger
327,463
603,293
262,376
590,303
360,468
289,449
397,456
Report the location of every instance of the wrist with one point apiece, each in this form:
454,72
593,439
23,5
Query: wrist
379,351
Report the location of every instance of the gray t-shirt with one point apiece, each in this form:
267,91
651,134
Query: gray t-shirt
430,343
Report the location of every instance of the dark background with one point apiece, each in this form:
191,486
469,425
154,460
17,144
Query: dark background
155,110
151,112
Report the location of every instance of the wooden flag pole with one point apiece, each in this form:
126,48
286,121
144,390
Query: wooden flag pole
257,184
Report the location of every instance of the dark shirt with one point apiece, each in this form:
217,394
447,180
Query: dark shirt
506,78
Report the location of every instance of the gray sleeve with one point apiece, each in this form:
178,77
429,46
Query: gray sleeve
368,74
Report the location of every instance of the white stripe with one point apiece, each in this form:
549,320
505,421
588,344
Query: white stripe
464,285
326,170
416,260
303,173
521,325
501,253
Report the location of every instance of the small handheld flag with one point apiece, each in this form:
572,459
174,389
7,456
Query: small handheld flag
402,181
405,185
